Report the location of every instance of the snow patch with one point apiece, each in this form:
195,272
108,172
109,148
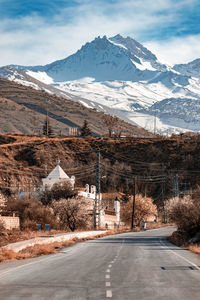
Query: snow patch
145,65
41,76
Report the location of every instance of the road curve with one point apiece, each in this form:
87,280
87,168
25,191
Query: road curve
127,266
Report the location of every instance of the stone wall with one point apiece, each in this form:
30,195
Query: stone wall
10,222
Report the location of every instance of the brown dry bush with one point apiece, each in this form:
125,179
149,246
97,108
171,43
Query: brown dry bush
144,207
7,255
2,227
185,213
57,192
49,248
194,248
72,213
31,211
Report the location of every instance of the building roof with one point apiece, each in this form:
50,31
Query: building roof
58,173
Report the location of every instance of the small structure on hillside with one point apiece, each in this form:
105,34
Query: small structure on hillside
58,176
89,192
110,218
73,131
107,217
9,222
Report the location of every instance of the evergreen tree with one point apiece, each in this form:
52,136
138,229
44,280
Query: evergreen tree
85,130
110,122
47,130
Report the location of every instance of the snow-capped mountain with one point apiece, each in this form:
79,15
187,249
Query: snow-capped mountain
190,69
103,59
20,77
121,73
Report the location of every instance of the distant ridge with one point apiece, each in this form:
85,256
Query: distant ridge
120,73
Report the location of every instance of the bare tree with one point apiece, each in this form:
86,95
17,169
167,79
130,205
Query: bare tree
110,122
71,213
144,207
34,123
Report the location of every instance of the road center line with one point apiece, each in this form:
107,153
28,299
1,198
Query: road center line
107,276
107,283
109,266
108,270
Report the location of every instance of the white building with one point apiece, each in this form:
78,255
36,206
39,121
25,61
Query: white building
57,176
105,218
89,192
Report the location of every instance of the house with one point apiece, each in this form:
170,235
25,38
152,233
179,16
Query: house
58,176
9,222
108,216
89,192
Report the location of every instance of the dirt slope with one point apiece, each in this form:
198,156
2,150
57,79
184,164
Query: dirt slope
23,110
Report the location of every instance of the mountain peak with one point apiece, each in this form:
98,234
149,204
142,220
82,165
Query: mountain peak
115,58
134,47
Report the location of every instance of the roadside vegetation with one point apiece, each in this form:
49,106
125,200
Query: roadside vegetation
45,249
144,208
27,159
185,213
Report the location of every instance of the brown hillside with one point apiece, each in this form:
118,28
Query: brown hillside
23,110
23,160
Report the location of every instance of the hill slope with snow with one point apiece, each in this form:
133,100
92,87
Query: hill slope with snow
121,73
190,69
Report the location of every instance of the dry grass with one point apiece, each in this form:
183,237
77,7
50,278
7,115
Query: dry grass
157,225
46,249
178,239
7,255
14,236
194,248
36,250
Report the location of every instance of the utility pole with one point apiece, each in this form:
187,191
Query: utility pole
154,131
177,186
163,191
133,208
97,205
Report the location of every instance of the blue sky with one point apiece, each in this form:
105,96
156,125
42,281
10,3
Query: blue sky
41,31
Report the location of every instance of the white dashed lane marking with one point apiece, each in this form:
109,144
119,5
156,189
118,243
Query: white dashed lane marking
107,276
107,283
109,294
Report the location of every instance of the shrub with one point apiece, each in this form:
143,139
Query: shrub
2,227
144,208
72,213
185,212
58,191
31,211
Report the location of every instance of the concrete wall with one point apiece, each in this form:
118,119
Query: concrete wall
10,222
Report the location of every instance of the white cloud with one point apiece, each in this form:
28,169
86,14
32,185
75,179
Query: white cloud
176,50
35,40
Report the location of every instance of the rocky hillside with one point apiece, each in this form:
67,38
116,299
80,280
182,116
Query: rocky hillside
23,110
24,160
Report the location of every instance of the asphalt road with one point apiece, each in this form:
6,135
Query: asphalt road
125,266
